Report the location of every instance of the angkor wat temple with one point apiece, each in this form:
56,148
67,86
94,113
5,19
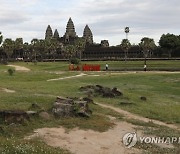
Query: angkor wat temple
93,50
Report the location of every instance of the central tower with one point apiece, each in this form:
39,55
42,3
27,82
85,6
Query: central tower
70,30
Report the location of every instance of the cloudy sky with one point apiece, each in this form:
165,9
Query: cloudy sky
106,18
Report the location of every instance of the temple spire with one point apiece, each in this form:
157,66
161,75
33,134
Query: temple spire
87,34
49,33
56,34
70,29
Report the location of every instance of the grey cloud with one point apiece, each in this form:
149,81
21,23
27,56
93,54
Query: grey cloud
106,18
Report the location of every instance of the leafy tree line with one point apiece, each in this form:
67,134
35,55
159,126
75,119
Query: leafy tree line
39,49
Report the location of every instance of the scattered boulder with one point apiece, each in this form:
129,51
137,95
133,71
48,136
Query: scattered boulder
35,106
126,103
143,98
44,115
70,107
100,90
117,92
88,100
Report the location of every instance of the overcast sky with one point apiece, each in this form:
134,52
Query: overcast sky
106,18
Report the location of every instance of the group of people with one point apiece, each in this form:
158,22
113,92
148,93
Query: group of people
107,67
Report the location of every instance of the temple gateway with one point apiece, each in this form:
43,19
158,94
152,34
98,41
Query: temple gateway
93,50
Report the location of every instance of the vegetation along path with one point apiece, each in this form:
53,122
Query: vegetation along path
129,115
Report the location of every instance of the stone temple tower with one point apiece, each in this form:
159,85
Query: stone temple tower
49,33
87,34
70,30
56,34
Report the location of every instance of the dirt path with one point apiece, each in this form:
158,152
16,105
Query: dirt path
129,115
20,68
75,76
108,73
68,77
89,141
7,90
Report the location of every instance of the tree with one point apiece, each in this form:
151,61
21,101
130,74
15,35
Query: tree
125,46
34,45
54,46
18,45
80,44
69,51
8,46
26,50
169,42
1,38
147,45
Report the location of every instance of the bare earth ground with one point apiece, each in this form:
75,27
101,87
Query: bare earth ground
70,77
19,68
89,141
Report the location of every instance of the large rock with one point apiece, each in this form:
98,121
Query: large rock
60,109
70,107
88,100
44,115
143,98
35,107
117,92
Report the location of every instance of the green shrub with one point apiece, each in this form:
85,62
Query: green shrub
74,61
11,71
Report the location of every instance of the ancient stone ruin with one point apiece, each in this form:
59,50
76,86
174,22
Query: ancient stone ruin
65,107
95,90
16,116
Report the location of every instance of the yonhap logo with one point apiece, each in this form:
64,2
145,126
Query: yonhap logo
130,139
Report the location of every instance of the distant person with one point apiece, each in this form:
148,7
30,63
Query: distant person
145,67
107,66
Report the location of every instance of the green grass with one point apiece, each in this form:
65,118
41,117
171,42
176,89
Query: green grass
121,65
161,90
35,146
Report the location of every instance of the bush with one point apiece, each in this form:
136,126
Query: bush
11,71
74,61
4,62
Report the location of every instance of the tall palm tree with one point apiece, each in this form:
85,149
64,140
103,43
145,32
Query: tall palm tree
54,46
125,46
40,48
8,46
18,45
1,38
26,50
34,45
147,45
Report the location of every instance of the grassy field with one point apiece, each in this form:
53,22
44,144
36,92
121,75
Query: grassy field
161,90
113,65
